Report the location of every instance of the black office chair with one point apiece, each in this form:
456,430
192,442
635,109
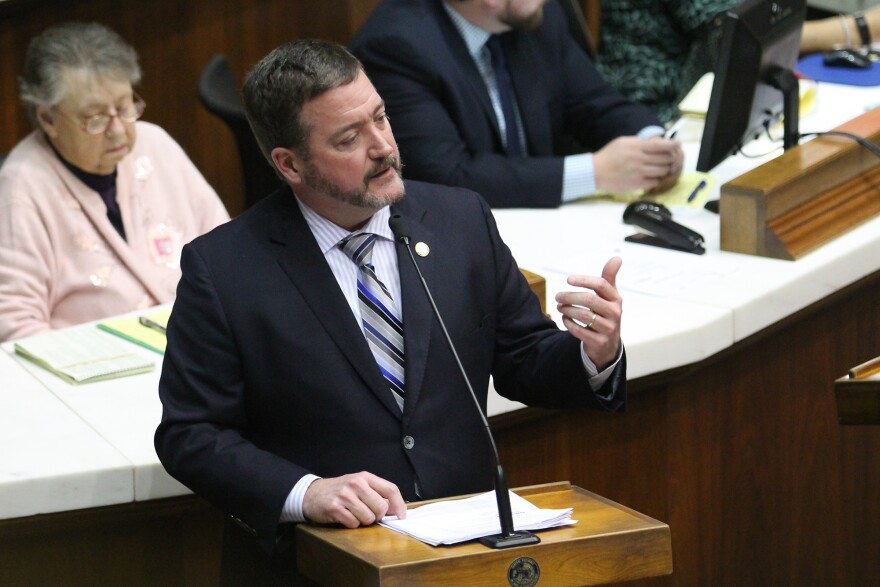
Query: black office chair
218,92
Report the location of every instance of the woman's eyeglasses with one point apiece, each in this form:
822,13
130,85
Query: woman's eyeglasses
99,123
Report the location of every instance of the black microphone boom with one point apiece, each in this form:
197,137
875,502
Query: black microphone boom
508,536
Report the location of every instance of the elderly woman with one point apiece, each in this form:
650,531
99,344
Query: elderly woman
92,220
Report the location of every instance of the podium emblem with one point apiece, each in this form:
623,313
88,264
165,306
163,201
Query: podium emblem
523,572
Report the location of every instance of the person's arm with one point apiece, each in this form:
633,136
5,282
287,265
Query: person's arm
540,365
202,202
25,267
826,33
206,205
628,153
581,176
592,313
200,440
203,438
630,163
594,111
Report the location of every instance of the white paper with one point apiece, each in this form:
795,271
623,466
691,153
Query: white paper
459,520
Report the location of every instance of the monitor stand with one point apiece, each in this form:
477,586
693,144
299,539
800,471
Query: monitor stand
784,80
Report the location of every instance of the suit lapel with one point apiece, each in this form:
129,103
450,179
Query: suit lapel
301,259
461,63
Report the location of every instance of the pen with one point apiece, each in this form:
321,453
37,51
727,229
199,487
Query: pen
151,324
868,369
673,130
696,191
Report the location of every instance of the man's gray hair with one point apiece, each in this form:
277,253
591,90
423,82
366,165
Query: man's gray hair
91,48
278,87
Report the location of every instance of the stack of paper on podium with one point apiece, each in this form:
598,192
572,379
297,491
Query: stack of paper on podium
460,520
82,355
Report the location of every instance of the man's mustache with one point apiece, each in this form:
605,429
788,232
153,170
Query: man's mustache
381,167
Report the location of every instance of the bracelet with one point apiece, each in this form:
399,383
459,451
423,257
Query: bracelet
862,25
845,27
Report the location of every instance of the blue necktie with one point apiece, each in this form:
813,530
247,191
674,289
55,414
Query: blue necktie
505,95
382,327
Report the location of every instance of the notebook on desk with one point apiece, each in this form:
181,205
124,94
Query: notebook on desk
82,354
147,330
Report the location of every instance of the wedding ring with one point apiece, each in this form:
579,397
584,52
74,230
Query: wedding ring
593,319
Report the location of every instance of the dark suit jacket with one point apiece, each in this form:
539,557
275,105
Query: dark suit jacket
267,375
442,116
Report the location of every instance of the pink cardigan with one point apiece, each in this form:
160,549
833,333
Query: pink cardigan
61,260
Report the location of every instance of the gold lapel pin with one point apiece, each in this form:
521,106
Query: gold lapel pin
422,249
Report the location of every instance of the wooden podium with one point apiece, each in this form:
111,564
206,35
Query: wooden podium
609,543
857,395
806,197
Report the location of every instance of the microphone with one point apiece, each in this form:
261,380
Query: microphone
508,537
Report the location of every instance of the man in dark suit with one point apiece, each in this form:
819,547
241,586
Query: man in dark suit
569,133
280,402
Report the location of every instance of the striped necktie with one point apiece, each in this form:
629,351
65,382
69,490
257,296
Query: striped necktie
382,327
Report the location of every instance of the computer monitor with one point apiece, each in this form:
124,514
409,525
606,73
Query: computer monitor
754,77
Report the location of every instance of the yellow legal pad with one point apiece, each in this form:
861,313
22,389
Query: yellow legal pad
692,182
131,329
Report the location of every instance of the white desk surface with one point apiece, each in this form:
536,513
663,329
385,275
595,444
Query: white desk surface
125,413
67,447
681,308
51,459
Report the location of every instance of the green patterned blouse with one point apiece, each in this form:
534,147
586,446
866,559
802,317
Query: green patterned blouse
654,51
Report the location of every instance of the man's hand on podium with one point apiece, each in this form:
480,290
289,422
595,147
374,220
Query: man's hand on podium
359,499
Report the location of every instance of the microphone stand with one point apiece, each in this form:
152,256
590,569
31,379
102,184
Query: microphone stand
508,536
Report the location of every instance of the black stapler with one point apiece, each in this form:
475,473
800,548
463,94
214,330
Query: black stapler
664,231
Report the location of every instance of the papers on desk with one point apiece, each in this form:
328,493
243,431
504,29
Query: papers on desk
690,190
696,101
459,520
82,355
147,331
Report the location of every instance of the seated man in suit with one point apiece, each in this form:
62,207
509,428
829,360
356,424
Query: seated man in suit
496,96
305,376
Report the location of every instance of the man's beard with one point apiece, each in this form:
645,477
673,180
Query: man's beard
361,198
525,23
